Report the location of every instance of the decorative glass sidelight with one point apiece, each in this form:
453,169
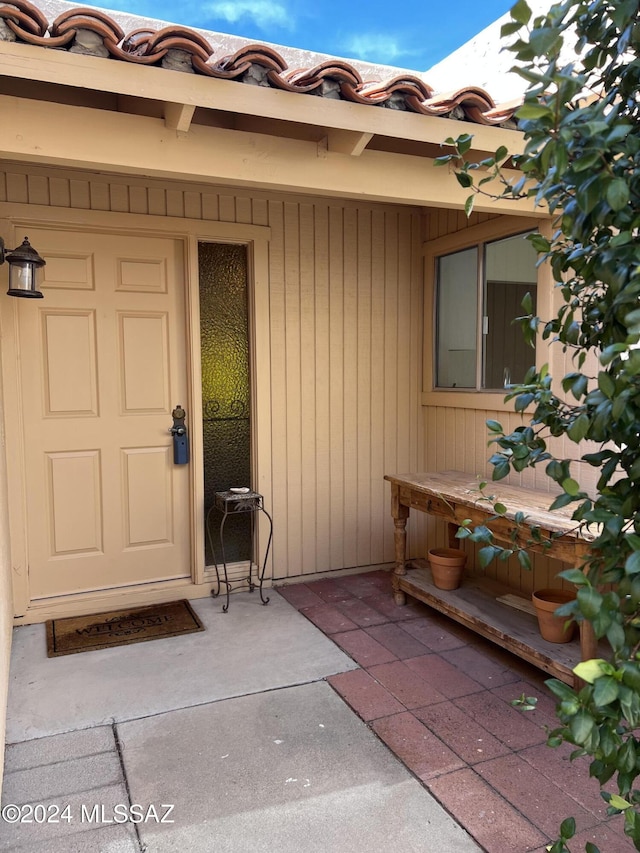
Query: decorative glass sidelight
224,336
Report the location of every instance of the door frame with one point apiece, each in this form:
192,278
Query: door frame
18,218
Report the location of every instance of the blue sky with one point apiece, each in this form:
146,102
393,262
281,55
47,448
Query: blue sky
408,34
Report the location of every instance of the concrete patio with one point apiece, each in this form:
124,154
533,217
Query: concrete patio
330,720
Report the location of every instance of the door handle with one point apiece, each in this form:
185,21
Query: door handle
180,436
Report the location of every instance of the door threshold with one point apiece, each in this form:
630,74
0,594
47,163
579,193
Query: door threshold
95,602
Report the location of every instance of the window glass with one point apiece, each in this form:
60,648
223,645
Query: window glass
510,273
457,319
494,349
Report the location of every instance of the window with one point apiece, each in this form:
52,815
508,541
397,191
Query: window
478,295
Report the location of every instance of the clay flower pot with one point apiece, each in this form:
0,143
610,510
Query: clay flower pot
447,566
552,627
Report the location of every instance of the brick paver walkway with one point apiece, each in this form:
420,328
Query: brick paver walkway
440,697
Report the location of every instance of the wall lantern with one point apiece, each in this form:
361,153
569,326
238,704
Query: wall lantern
24,264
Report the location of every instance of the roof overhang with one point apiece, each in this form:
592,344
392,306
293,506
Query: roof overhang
169,124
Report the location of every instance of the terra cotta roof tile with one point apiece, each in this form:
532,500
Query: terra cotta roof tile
149,47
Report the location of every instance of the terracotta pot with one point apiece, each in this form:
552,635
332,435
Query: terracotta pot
447,566
552,627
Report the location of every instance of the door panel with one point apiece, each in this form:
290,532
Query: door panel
103,363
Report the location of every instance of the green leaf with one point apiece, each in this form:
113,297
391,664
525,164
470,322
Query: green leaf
500,470
533,111
616,636
589,194
589,670
544,40
605,691
509,29
481,533
574,576
589,601
525,560
587,161
468,205
631,675
579,428
463,142
521,12
571,487
609,353
568,828
581,726
560,501
560,690
606,384
618,194
486,555
632,565
619,803
632,318
499,509
522,401
539,243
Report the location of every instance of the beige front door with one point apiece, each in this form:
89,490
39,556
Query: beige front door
103,363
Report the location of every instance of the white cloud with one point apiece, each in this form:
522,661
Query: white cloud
376,47
264,13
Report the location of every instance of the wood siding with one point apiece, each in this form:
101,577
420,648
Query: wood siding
439,223
345,317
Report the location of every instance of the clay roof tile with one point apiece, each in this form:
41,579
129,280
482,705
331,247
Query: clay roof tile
331,78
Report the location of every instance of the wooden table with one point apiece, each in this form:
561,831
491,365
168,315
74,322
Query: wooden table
454,496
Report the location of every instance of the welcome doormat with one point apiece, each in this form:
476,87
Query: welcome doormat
120,627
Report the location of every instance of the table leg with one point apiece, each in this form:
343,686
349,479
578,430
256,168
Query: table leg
588,641
588,649
400,514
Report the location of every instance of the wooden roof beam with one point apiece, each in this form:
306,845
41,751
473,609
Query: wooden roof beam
348,141
178,116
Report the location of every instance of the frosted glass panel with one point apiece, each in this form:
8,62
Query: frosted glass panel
224,332
457,319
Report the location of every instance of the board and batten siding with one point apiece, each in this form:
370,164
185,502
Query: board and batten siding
345,319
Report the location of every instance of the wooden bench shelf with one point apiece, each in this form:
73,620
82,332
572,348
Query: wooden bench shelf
454,496
475,604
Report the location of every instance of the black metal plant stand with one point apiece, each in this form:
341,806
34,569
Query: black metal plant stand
229,503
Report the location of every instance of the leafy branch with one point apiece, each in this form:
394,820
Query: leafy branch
581,163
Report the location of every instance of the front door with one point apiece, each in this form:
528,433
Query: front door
103,363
